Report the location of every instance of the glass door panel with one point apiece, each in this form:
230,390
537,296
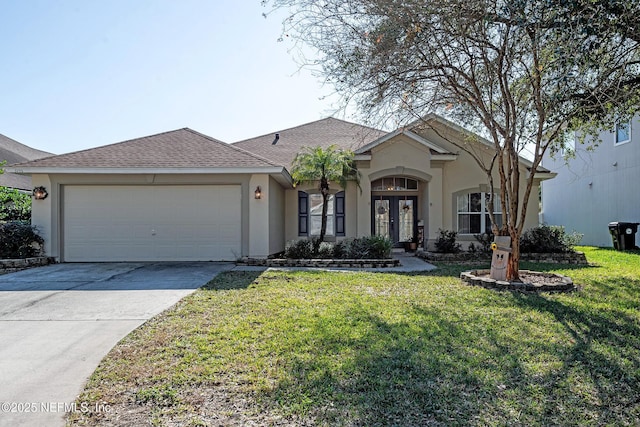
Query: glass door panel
394,217
405,220
381,217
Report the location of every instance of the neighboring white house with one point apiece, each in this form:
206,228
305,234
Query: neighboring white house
594,188
182,195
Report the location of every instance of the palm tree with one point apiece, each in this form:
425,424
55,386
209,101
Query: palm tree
331,164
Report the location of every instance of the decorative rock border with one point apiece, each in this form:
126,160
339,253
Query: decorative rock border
320,263
577,258
557,282
11,265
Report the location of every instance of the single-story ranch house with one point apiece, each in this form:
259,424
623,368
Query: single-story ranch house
182,195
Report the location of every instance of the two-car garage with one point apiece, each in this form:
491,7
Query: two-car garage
151,222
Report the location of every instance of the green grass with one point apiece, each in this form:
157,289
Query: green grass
381,349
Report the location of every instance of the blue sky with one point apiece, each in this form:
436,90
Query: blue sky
82,73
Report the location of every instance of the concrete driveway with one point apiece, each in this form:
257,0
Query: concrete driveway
58,322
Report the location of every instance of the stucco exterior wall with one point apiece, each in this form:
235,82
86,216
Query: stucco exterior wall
42,213
595,188
400,156
276,199
463,175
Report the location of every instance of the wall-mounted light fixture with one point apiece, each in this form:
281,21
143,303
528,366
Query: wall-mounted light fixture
258,192
40,193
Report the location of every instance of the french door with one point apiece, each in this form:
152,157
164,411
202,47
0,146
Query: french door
394,217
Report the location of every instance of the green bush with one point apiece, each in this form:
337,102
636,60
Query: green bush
484,243
341,249
548,239
19,239
446,242
14,205
379,247
325,250
370,247
298,249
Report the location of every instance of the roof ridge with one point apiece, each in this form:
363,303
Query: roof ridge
238,149
115,143
307,124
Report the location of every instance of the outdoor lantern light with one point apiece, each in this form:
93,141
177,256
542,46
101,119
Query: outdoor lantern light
40,193
258,192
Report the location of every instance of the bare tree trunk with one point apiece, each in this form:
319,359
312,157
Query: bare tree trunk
513,266
324,190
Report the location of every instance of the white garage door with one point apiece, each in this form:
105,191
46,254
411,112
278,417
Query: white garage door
151,223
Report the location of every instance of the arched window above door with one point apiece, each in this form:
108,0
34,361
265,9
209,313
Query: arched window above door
394,183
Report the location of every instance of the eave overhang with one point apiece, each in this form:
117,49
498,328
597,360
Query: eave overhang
279,173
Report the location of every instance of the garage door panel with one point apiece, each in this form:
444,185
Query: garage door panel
151,223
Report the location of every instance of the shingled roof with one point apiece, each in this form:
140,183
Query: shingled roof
12,152
182,148
322,133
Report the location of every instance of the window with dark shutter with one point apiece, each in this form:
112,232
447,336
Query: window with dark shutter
303,213
340,226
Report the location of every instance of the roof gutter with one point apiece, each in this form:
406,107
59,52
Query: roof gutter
276,171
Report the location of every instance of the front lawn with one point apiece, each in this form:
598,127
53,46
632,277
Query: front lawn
376,349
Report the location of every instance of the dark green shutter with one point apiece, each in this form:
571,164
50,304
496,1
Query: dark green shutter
303,213
339,209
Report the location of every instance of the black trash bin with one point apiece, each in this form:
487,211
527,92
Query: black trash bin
623,235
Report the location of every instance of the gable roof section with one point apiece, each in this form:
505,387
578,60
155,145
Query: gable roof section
12,152
321,133
435,149
178,149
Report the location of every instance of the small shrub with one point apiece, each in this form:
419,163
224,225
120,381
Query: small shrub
446,242
14,205
341,249
484,240
325,250
370,247
548,239
358,249
379,246
298,249
19,239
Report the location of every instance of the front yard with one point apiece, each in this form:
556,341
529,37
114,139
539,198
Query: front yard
376,349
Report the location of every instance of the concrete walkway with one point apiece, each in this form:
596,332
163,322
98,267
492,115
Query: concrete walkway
58,322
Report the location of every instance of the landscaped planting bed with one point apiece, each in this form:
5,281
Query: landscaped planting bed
320,263
578,258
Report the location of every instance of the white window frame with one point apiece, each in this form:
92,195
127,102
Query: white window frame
331,211
484,213
615,133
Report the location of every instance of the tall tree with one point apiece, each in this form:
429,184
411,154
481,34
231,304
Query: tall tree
520,73
324,165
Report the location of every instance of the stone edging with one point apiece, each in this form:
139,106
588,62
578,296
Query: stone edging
320,263
11,265
472,278
578,258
